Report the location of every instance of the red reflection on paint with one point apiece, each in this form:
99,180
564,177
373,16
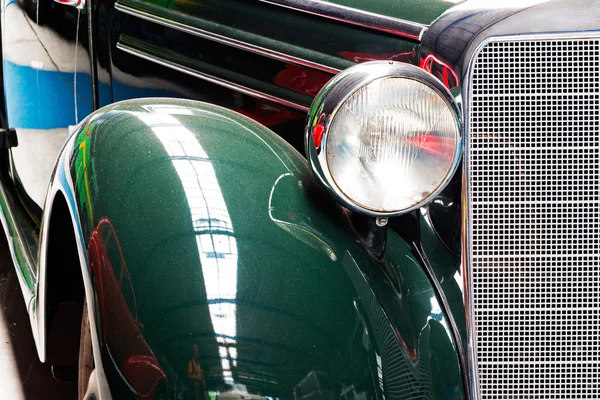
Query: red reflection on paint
269,114
440,70
411,351
406,56
138,369
120,328
318,131
301,79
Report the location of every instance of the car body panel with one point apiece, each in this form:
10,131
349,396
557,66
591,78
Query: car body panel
329,45
249,260
47,70
304,284
303,309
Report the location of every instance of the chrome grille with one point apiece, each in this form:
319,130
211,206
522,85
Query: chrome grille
533,161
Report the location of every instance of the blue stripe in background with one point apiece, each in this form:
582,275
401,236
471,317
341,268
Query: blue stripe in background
39,99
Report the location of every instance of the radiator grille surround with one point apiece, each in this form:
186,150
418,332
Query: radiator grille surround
533,225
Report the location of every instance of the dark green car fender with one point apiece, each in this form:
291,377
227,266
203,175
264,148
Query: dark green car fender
204,232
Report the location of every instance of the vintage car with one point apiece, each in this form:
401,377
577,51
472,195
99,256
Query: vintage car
307,199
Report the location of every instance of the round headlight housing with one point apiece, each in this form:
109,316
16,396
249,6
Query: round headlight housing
384,137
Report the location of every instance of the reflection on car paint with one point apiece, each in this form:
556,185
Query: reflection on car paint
358,57
121,328
28,90
440,70
27,87
215,236
87,169
291,219
270,114
302,80
46,91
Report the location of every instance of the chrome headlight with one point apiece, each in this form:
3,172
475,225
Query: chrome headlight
384,137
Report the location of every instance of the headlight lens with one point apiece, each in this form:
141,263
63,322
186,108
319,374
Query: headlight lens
391,143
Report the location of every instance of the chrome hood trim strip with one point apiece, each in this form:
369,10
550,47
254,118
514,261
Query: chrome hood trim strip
209,78
353,16
215,37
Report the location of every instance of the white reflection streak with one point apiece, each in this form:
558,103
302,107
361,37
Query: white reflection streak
214,231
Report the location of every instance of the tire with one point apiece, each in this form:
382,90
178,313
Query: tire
86,355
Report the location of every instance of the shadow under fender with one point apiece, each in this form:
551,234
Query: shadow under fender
219,265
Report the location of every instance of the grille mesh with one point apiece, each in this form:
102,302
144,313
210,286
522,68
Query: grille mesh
534,230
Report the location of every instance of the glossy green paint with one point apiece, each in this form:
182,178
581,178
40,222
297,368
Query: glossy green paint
421,11
222,238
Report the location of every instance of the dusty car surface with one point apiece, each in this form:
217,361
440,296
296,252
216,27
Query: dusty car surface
307,199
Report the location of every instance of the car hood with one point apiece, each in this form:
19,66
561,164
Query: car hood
420,11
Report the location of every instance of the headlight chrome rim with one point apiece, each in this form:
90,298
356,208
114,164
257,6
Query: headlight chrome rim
334,95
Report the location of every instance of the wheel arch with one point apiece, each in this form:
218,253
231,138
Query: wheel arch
60,221
61,280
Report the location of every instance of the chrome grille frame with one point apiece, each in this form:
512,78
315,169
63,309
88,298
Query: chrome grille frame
468,228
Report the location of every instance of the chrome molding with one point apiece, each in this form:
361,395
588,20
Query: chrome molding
470,55
472,369
214,37
209,78
353,16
